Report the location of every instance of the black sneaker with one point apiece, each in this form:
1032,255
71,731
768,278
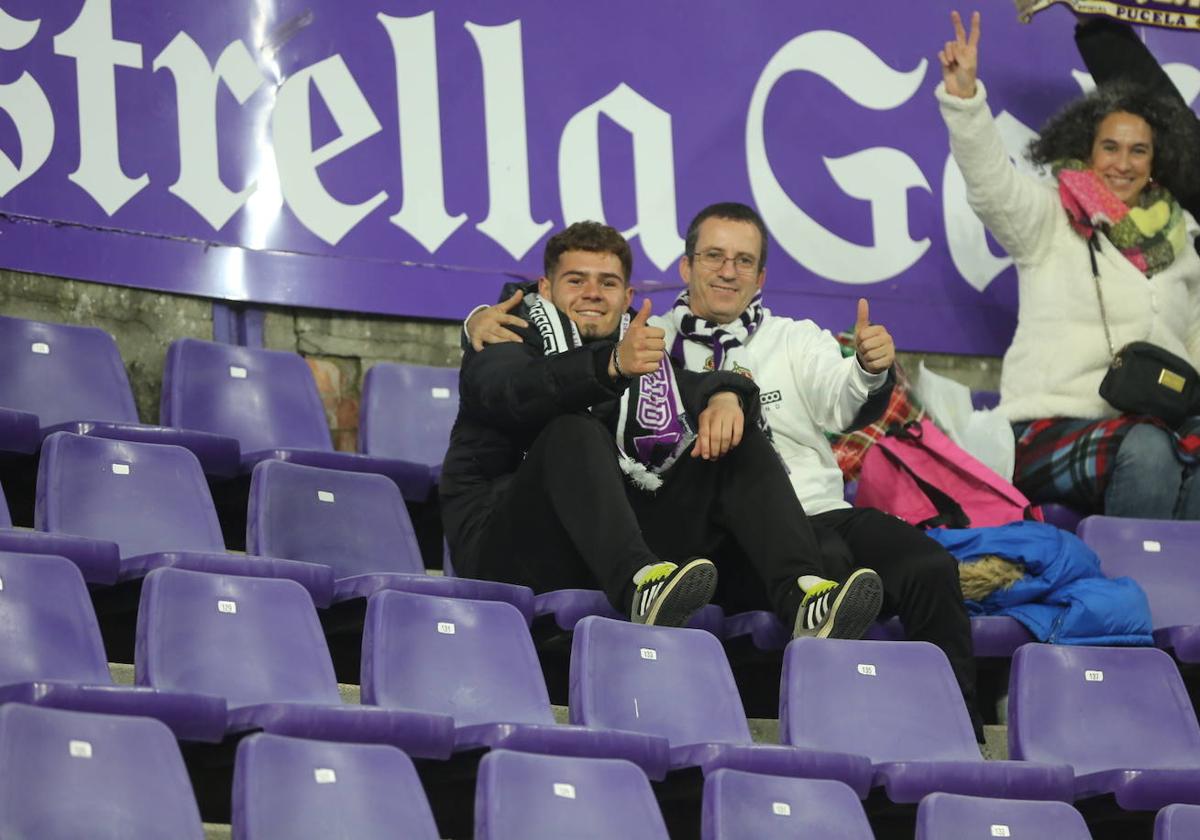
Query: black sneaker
840,610
669,594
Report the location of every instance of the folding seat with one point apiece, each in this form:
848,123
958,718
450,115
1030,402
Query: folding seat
357,524
98,560
51,653
523,796
152,501
257,643
475,661
677,683
899,704
739,805
1177,822
268,401
66,775
1161,556
406,413
948,816
71,378
298,789
1119,716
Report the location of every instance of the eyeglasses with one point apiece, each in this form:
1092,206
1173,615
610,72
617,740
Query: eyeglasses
744,265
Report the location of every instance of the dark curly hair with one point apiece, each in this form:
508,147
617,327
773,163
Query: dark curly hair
1071,132
587,236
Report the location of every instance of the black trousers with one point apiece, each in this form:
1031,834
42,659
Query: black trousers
920,582
570,518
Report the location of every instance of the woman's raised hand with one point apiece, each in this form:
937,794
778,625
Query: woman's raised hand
960,58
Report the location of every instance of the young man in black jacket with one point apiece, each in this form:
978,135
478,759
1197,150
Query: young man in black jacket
581,458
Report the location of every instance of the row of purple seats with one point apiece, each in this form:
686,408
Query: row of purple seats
231,406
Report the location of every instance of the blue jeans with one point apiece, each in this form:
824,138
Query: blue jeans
1148,481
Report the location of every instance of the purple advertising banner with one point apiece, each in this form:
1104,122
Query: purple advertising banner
397,157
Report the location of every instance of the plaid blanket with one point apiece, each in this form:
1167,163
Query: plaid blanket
1069,460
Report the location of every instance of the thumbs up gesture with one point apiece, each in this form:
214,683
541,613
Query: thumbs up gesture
872,343
642,348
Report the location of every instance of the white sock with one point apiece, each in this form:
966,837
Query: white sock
807,582
641,573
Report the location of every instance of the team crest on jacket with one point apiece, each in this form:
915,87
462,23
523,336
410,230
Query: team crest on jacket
738,369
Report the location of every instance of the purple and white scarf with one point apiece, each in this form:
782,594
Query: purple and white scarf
720,338
652,422
1161,13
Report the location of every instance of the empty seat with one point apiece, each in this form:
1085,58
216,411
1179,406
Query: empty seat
257,643
71,378
1119,716
407,412
1177,822
1161,556
677,683
947,816
68,775
899,704
475,661
522,796
298,789
268,401
153,501
357,524
739,805
51,653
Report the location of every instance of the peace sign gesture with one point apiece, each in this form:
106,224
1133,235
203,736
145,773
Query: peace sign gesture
960,58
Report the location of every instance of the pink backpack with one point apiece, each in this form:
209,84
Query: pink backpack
917,473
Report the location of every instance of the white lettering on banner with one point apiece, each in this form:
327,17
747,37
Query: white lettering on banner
881,176
291,133
653,170
509,221
966,237
27,106
89,40
422,211
196,88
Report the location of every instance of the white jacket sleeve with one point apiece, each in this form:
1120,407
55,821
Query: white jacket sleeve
1017,209
833,387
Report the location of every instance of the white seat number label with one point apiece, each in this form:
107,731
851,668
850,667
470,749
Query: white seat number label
1153,546
324,496
120,469
1000,831
866,670
649,653
446,628
440,393
236,372
781,809
80,749
564,790
227,607
1093,676
324,775
40,347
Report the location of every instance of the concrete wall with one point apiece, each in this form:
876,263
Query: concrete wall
339,347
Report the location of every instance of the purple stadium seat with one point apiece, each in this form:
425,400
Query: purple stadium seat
739,805
406,413
53,655
154,503
72,379
297,789
947,816
677,683
1177,822
268,401
985,400
68,775
1161,556
522,796
1119,716
899,704
257,643
357,524
98,560
475,661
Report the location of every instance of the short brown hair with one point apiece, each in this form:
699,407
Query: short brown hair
588,236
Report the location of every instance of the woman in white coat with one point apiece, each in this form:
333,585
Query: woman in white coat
1105,229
